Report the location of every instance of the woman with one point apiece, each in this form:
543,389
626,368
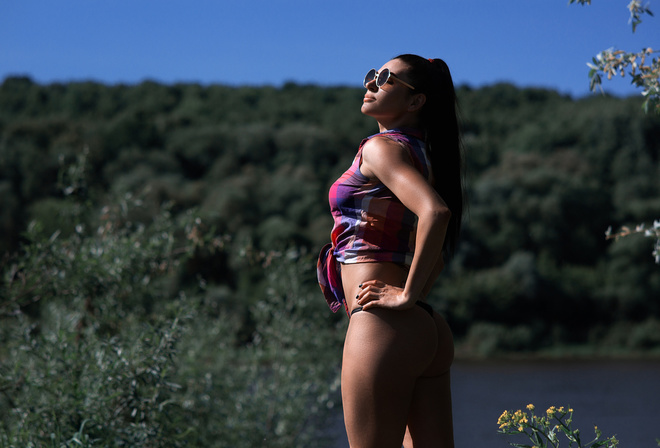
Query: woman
396,210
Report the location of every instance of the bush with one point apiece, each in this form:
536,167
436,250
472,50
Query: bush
101,345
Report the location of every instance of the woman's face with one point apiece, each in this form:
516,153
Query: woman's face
391,101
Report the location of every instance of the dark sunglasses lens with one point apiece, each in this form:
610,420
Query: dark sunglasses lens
383,77
371,74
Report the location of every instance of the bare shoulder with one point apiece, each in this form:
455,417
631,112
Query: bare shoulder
381,144
382,153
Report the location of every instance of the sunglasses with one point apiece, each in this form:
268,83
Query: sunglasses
383,78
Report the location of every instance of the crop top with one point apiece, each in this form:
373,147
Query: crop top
370,223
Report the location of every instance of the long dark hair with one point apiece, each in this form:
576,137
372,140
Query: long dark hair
439,120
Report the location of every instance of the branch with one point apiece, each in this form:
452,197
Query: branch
644,73
653,232
636,11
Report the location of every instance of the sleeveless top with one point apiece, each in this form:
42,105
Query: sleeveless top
370,223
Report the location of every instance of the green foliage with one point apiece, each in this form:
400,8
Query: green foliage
65,384
159,243
102,343
545,430
546,175
84,357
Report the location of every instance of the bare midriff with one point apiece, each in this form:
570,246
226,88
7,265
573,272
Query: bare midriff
352,275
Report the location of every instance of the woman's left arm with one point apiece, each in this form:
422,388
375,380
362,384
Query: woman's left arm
390,163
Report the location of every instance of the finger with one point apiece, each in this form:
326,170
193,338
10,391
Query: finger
377,283
366,296
374,303
368,289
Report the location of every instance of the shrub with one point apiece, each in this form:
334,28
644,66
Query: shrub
102,345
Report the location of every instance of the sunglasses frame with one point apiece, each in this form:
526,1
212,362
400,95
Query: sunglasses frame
388,75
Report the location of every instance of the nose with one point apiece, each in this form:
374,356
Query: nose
371,86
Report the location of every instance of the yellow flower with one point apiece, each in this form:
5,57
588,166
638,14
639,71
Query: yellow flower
530,407
504,420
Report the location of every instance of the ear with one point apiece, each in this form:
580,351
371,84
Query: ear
418,100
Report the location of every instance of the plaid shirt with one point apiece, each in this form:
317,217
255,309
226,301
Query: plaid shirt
370,223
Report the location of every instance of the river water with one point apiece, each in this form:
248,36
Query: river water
622,398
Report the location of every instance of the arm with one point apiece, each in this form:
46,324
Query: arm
390,163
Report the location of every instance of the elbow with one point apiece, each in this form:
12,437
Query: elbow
440,214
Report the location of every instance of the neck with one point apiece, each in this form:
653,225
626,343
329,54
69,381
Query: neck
406,122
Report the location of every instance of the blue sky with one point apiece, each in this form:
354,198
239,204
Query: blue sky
543,43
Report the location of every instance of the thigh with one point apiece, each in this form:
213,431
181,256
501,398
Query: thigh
430,422
384,353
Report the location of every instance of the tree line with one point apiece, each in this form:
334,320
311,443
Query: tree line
546,176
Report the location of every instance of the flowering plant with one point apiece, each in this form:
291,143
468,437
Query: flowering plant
544,430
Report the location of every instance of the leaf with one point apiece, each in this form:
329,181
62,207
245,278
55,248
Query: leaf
594,82
634,25
566,431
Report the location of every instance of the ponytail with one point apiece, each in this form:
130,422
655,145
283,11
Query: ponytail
439,120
